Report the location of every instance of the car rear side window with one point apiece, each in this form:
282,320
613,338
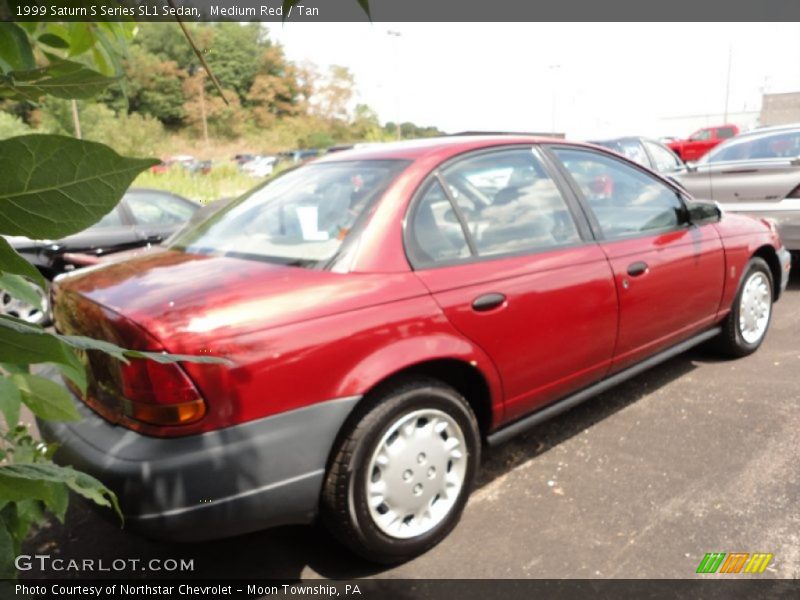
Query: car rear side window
437,235
504,201
300,218
624,200
785,144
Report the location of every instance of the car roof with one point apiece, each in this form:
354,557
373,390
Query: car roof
426,147
770,129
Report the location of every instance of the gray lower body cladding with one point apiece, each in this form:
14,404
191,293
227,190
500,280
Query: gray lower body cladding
236,480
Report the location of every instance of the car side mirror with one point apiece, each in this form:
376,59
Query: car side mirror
691,166
703,212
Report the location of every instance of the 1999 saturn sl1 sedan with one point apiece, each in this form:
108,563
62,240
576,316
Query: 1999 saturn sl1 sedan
386,311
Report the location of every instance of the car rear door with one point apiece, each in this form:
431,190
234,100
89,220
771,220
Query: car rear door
510,260
668,272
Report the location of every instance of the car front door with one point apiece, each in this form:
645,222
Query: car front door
509,260
668,272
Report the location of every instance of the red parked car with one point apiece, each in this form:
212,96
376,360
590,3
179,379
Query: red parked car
701,141
386,312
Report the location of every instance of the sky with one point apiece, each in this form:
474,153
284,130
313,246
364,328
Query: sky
588,80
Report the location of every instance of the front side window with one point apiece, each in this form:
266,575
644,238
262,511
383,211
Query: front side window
785,144
701,136
152,208
504,201
112,219
624,200
300,218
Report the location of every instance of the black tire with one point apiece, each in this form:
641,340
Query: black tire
344,507
730,341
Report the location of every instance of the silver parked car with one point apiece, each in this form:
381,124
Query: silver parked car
757,173
649,153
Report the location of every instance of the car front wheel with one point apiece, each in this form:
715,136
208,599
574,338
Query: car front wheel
746,325
402,472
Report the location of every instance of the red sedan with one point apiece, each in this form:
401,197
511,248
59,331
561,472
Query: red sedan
386,312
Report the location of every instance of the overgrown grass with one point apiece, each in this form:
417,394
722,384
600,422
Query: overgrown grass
224,181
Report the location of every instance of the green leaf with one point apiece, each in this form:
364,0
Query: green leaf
47,399
364,4
85,343
58,185
21,482
61,78
53,41
15,48
10,401
7,551
26,513
11,262
22,343
25,344
76,373
20,288
58,501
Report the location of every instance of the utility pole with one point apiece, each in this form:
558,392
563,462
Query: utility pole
728,82
203,105
554,71
397,35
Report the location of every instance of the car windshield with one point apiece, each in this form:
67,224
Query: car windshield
300,218
785,144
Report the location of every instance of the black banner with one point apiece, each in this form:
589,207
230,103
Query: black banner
711,588
398,10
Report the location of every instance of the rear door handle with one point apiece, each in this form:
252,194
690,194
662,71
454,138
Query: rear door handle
488,302
637,268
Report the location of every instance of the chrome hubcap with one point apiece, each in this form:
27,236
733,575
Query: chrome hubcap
754,308
13,307
416,473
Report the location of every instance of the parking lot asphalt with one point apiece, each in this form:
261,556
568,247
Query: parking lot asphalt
697,455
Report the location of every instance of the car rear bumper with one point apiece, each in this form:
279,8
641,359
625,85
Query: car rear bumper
236,480
785,213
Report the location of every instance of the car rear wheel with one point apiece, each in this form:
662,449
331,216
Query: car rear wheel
746,325
402,472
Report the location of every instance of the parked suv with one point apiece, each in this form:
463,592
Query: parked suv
387,312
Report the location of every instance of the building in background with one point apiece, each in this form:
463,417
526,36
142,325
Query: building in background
780,109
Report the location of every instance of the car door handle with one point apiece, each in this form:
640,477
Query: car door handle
488,302
637,268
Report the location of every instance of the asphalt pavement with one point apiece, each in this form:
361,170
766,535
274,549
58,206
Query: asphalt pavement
697,455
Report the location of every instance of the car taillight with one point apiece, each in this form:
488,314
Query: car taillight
795,193
159,394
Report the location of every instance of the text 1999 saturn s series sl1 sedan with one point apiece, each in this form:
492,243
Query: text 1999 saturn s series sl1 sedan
385,312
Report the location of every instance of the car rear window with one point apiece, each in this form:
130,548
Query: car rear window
300,218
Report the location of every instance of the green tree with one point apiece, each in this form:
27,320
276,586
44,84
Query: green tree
50,186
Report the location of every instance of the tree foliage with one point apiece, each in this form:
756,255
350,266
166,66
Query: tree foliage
51,186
